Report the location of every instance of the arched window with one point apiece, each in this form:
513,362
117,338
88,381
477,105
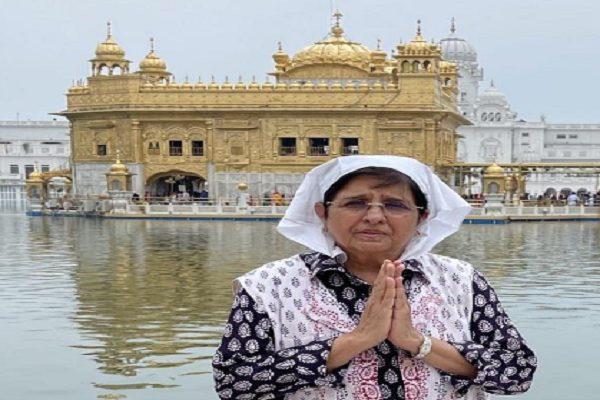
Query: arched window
484,117
416,66
427,66
103,69
448,82
498,117
406,67
117,70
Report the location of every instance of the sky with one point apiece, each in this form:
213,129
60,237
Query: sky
543,54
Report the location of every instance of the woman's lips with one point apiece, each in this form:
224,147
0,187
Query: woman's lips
370,233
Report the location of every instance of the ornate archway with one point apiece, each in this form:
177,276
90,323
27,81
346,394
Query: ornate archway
176,182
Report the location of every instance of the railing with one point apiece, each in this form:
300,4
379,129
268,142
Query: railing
248,205
349,150
287,151
318,151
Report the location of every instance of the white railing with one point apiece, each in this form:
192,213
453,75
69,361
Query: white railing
275,206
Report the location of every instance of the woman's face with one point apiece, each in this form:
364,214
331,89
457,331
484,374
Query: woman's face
374,233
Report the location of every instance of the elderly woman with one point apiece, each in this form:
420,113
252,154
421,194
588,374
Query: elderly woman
369,312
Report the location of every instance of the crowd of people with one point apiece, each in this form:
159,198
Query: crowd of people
581,198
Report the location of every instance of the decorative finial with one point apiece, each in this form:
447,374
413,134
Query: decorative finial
418,27
118,156
226,78
279,46
492,83
108,30
199,79
151,45
337,15
240,79
253,78
212,79
186,79
452,26
378,44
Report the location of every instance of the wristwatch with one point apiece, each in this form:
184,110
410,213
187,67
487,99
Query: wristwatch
424,348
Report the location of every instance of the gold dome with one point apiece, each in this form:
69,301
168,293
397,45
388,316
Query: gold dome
118,168
494,169
109,49
419,46
280,57
378,54
152,62
335,49
35,176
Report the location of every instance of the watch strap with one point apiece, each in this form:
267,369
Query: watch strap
424,348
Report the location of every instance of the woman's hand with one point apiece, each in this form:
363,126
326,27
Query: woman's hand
402,333
375,322
376,319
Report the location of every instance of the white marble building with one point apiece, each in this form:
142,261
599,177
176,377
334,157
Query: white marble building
497,135
25,144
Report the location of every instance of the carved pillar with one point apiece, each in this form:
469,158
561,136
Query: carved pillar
302,145
137,152
334,141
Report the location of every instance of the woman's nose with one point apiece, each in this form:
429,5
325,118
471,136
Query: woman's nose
375,213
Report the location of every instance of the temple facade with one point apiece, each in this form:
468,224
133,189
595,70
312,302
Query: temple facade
335,97
554,158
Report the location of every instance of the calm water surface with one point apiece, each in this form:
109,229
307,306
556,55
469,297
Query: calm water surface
134,309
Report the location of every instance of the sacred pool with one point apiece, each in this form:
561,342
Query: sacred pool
106,309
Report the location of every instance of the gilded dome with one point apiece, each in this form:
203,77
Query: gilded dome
152,62
419,46
494,169
35,176
118,168
109,49
280,57
335,49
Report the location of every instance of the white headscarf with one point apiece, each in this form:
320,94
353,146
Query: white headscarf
301,223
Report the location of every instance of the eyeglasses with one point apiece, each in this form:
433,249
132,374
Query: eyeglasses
389,207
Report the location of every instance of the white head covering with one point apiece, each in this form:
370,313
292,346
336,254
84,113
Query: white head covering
301,223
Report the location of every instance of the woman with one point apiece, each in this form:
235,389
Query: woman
369,313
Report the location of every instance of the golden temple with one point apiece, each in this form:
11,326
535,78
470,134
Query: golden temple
334,97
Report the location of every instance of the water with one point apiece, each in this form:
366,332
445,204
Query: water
133,309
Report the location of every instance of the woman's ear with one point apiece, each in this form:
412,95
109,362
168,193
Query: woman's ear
321,211
423,216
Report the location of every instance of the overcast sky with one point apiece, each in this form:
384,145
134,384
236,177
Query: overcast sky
543,54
